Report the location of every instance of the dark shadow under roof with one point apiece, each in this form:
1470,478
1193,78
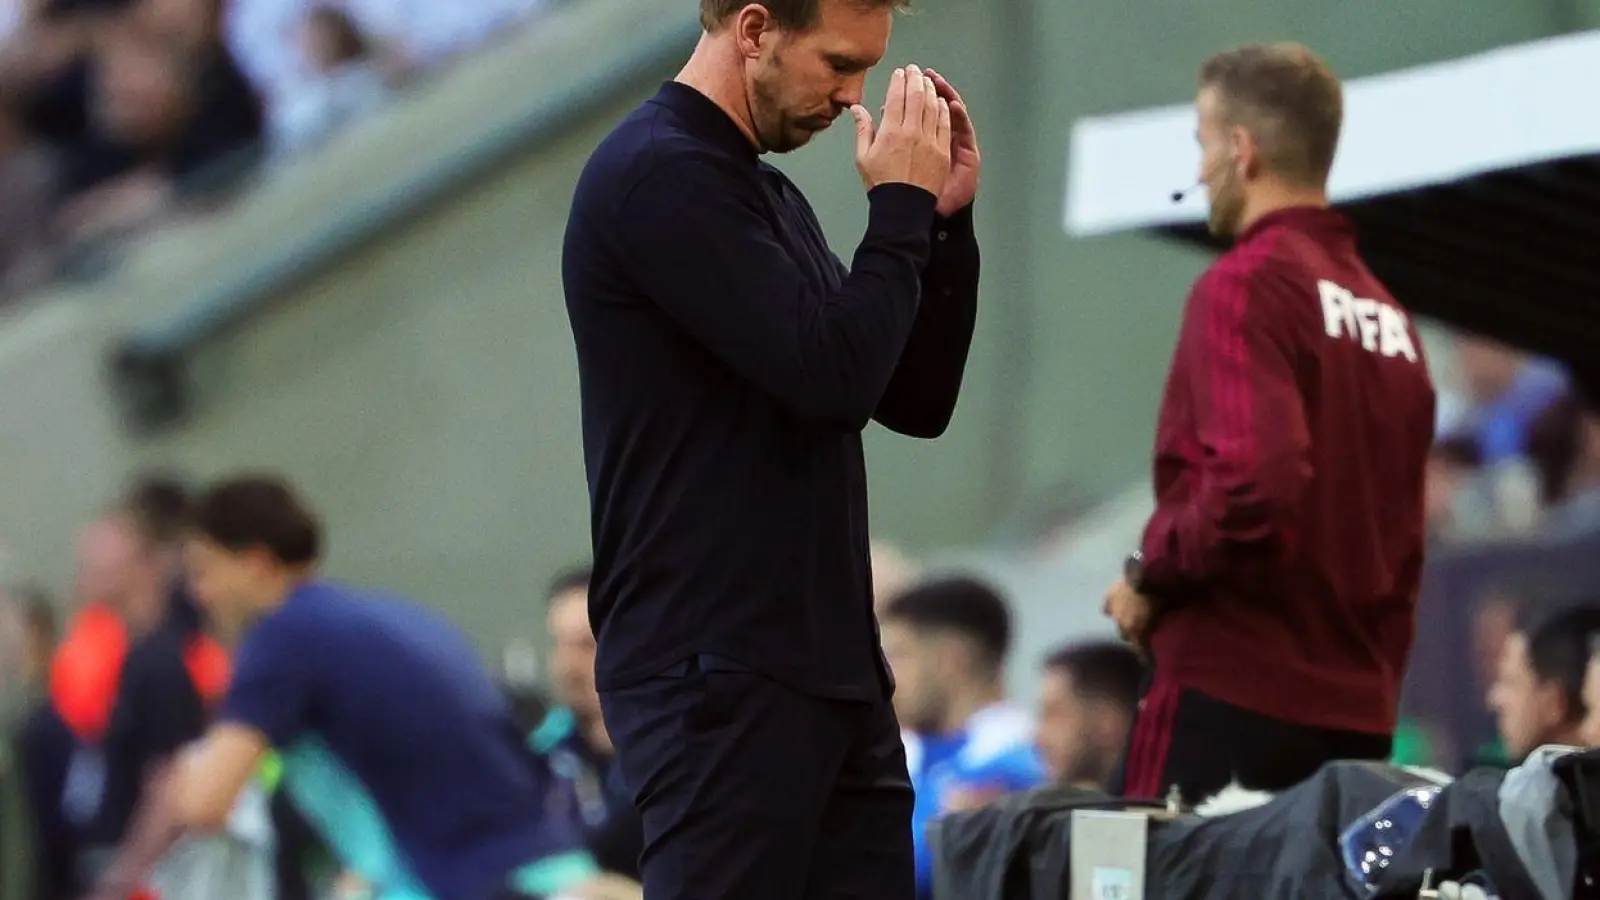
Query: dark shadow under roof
1513,255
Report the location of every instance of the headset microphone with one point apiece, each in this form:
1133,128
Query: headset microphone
1178,196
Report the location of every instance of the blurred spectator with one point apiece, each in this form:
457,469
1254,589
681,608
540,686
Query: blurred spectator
166,108
11,645
112,109
946,642
27,638
406,35
1087,701
1537,695
1453,505
1564,443
1590,732
1507,391
224,121
166,670
345,82
38,744
573,736
522,681
40,60
157,708
136,97
27,199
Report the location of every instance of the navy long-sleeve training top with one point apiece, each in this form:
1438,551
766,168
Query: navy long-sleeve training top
728,364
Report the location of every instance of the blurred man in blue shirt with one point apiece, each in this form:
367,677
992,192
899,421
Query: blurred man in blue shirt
396,743
946,642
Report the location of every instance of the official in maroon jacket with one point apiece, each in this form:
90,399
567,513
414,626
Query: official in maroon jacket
1275,591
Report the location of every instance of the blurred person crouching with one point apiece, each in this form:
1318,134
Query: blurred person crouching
345,81
1087,700
573,735
946,642
1538,693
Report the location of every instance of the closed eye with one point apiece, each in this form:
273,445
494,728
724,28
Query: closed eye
845,65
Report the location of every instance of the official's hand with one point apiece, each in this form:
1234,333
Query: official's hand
965,161
1131,611
912,143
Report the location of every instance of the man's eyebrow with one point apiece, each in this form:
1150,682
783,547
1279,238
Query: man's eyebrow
846,61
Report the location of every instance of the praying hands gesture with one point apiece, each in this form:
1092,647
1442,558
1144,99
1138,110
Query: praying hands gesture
961,185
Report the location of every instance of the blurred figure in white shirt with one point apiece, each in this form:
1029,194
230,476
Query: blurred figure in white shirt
405,35
347,82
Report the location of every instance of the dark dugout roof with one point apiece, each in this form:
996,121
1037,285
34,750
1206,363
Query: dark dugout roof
1474,186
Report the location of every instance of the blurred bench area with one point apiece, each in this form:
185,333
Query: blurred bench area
325,239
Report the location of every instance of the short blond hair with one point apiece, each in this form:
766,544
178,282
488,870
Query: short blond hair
1289,99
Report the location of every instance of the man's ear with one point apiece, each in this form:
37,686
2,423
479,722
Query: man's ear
751,25
1111,724
964,657
1246,151
1554,711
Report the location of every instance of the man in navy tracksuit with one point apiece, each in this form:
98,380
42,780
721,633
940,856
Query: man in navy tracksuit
728,364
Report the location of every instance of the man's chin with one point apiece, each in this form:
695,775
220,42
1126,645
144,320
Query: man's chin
795,141
800,134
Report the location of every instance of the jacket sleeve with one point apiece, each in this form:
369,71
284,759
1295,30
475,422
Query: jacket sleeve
921,396
703,248
1251,422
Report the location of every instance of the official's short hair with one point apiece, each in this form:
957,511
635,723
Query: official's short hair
573,578
1100,670
1288,98
260,512
791,15
963,606
1559,641
160,507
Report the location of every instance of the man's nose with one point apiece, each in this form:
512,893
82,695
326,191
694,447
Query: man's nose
850,92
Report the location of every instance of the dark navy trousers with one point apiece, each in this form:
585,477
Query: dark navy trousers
750,790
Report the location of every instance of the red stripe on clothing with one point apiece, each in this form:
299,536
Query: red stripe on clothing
1152,738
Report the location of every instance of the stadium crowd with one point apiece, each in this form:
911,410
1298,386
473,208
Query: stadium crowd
114,113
